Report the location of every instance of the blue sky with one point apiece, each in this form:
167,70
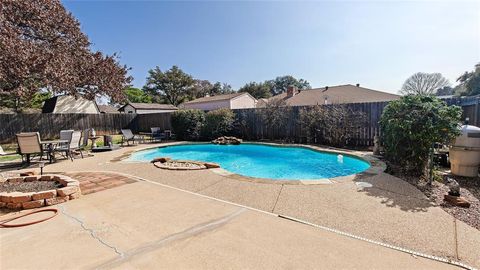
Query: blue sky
376,44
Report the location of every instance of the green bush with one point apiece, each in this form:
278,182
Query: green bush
411,125
218,123
187,124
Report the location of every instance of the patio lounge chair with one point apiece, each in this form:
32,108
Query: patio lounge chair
29,144
128,136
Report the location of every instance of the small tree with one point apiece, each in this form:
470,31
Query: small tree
218,123
187,124
423,84
411,125
275,115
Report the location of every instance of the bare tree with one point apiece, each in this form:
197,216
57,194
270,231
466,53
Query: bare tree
423,84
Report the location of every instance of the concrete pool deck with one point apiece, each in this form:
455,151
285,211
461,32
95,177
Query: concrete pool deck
391,211
186,232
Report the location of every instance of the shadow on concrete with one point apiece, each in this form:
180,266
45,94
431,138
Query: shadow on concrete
393,192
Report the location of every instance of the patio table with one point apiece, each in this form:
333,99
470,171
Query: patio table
50,146
149,134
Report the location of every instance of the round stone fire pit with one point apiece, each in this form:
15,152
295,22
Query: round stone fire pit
29,192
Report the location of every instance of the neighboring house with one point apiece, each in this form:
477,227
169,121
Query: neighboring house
230,101
142,108
332,95
69,104
107,109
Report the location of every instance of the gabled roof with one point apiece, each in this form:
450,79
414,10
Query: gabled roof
69,104
336,94
150,106
217,98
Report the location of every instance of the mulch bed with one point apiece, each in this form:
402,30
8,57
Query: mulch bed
33,186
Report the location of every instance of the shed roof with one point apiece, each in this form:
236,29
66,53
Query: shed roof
150,106
69,104
216,98
107,109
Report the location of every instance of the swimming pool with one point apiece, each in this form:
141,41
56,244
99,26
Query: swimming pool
262,161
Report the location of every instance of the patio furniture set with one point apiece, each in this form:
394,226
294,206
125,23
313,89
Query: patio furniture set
155,135
73,142
70,142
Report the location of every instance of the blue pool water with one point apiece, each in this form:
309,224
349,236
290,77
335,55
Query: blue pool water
262,161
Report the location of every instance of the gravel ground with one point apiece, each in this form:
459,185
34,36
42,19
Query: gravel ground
469,189
29,186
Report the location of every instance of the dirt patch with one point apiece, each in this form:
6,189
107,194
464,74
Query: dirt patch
33,186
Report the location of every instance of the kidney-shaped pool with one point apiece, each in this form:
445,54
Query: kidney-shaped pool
263,161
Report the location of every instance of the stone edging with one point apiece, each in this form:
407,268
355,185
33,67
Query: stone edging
165,163
27,200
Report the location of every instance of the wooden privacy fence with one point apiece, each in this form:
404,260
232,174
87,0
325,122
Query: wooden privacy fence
49,125
250,123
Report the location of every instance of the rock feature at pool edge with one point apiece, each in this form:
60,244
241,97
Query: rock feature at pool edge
224,140
169,164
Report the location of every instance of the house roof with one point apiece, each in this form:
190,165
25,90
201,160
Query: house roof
150,106
69,104
336,94
216,98
107,109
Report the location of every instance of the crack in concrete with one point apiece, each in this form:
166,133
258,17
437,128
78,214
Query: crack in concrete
208,186
278,196
90,231
188,233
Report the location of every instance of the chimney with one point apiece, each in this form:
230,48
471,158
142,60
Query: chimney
291,91
358,85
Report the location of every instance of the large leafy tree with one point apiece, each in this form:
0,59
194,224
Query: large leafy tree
137,95
423,84
470,82
202,88
42,47
173,85
257,90
445,91
281,83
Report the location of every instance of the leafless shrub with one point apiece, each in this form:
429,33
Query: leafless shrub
334,125
275,115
